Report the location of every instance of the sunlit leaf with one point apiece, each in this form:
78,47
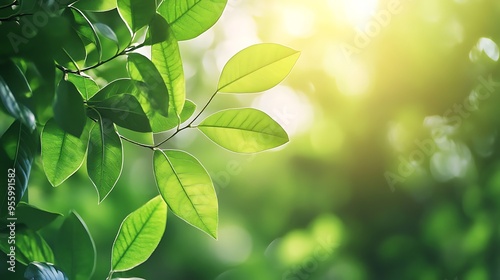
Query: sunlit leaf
84,84
143,70
187,188
257,68
244,130
160,123
95,5
69,111
105,157
106,32
43,271
124,110
190,18
62,153
137,13
167,58
15,109
117,87
88,34
139,235
76,245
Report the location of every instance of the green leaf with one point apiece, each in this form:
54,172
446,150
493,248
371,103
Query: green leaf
167,58
30,246
15,109
69,112
244,130
105,157
76,245
117,87
33,217
157,31
62,153
190,18
137,13
141,69
14,79
43,271
84,84
106,32
160,123
124,110
87,33
18,149
187,188
257,68
139,235
95,5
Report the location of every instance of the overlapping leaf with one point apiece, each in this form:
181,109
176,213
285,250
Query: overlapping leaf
69,111
84,84
30,246
244,130
44,271
15,109
187,188
137,13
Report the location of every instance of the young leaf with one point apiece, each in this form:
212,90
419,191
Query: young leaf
18,147
187,188
15,109
139,235
143,70
77,247
190,18
69,112
33,217
167,58
244,130
124,110
44,271
105,157
62,153
137,13
30,246
257,68
14,79
84,84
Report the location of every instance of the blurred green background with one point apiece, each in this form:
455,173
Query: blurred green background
392,170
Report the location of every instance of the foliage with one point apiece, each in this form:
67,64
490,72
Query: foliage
67,106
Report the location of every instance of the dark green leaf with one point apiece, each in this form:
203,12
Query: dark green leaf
190,18
87,33
124,110
15,109
137,13
105,158
62,153
77,247
243,130
69,111
43,271
139,235
18,149
157,32
33,217
187,188
14,79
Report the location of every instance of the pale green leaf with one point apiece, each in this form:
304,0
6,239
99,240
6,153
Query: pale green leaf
167,58
62,153
84,84
257,68
95,5
244,130
187,188
139,235
105,157
190,18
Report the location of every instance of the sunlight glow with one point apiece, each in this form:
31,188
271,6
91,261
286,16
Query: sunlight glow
298,20
356,12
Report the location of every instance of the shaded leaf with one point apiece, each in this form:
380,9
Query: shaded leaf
257,68
105,157
139,235
44,271
76,245
106,32
190,18
62,153
187,188
95,5
244,130
69,111
33,217
137,13
124,110
15,109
